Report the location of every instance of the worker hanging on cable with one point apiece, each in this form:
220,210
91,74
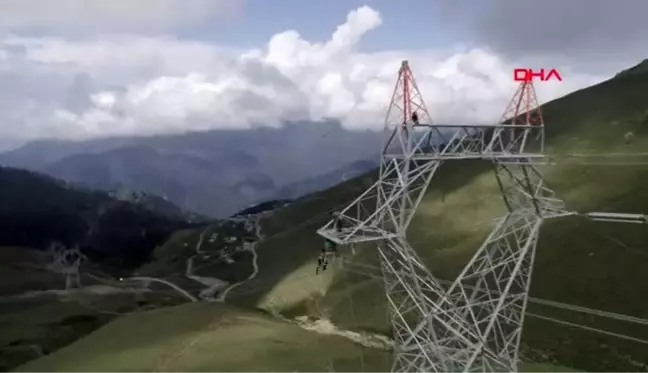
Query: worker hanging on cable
330,248
320,261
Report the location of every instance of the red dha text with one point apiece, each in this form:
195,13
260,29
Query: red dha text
527,75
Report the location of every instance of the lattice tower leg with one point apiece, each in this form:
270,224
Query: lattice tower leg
427,337
492,290
77,279
72,279
69,281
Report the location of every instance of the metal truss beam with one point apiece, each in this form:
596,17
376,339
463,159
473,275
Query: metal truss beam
491,292
414,151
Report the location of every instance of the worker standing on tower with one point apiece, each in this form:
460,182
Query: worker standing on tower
415,118
338,223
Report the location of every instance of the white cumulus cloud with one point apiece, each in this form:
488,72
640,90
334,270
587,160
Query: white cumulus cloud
135,85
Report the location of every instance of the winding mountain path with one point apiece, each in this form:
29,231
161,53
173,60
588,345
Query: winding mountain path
213,284
255,265
148,280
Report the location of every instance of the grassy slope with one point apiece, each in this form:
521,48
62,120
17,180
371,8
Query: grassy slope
22,270
590,264
45,321
200,337
36,210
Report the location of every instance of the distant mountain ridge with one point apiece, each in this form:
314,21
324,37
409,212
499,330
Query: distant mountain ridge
318,183
154,203
214,173
36,210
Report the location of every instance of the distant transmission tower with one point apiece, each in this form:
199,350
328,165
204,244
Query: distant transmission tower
476,323
67,262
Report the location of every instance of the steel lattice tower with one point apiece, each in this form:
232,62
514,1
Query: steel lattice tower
476,323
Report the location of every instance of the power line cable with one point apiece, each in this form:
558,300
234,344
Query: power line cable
587,155
590,311
589,328
555,304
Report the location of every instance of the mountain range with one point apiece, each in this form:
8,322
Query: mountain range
120,230
215,173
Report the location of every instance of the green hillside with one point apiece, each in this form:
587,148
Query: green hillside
590,264
215,337
596,265
37,315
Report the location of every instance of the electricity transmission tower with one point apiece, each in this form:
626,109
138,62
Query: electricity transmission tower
67,262
476,323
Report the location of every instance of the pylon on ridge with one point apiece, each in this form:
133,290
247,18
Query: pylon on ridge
409,161
476,323
406,101
522,130
523,107
410,154
492,290
409,123
407,116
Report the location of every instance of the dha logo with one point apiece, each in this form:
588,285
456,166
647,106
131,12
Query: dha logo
527,75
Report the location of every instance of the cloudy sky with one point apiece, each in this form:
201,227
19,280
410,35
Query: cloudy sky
88,68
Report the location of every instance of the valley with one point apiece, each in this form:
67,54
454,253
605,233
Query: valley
251,278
